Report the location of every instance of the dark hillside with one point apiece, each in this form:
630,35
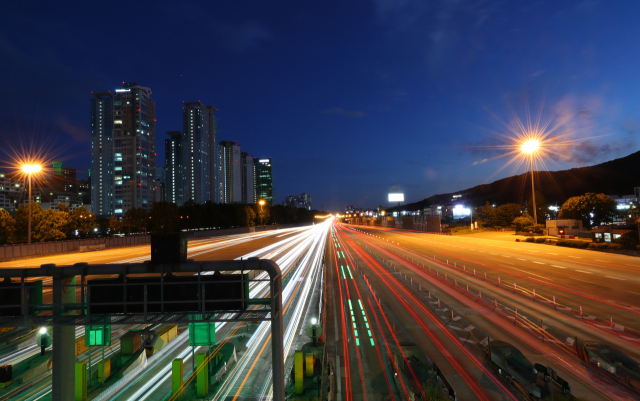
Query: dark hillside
615,177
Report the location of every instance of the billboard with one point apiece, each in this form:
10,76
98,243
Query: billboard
461,211
396,197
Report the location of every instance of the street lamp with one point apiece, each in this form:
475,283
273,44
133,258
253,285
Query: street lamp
530,147
30,169
261,202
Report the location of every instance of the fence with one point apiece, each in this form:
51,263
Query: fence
17,251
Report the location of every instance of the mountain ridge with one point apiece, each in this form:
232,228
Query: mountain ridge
613,177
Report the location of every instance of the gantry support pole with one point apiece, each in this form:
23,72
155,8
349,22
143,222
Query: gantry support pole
64,357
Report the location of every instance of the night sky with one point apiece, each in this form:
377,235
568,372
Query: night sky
351,99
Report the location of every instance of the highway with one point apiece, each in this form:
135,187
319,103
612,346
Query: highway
297,251
399,303
434,292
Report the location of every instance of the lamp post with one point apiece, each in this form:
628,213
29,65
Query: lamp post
30,169
261,202
530,147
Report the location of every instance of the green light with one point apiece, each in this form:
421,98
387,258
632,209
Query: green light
343,276
354,325
356,331
360,302
350,307
369,333
357,342
372,343
367,324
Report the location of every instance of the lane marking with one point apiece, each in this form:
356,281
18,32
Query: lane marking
583,271
522,259
548,253
505,256
498,260
617,278
559,267
603,261
575,257
540,263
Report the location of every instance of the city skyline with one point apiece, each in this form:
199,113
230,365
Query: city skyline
321,90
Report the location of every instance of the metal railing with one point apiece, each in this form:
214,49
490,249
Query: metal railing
66,310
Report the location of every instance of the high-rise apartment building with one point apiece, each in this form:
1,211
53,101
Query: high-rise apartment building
200,148
248,178
134,146
159,186
230,172
123,134
174,187
264,180
101,176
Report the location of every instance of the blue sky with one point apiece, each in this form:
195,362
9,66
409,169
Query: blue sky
351,99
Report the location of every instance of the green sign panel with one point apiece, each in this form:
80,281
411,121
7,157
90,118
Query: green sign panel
202,334
97,335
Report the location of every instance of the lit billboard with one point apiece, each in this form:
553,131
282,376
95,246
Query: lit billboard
396,197
461,211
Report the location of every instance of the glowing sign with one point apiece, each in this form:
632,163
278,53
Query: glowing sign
123,90
264,160
396,197
460,211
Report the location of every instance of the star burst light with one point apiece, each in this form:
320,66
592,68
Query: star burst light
533,140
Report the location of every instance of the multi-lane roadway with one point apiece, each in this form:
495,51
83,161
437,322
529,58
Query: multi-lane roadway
298,252
452,296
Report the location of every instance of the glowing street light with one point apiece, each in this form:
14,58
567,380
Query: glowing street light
30,169
530,147
261,202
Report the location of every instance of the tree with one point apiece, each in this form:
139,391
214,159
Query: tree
115,225
63,207
163,217
488,214
541,207
523,222
264,214
7,228
249,216
50,226
22,220
135,221
82,220
590,208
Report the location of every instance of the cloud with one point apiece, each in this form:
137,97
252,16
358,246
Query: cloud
243,37
487,147
480,162
73,130
346,113
591,152
535,74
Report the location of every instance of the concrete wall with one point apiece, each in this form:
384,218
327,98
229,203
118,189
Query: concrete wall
25,251
571,227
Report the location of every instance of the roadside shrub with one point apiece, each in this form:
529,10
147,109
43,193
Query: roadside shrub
614,246
529,239
540,240
603,245
550,241
593,245
626,242
572,243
